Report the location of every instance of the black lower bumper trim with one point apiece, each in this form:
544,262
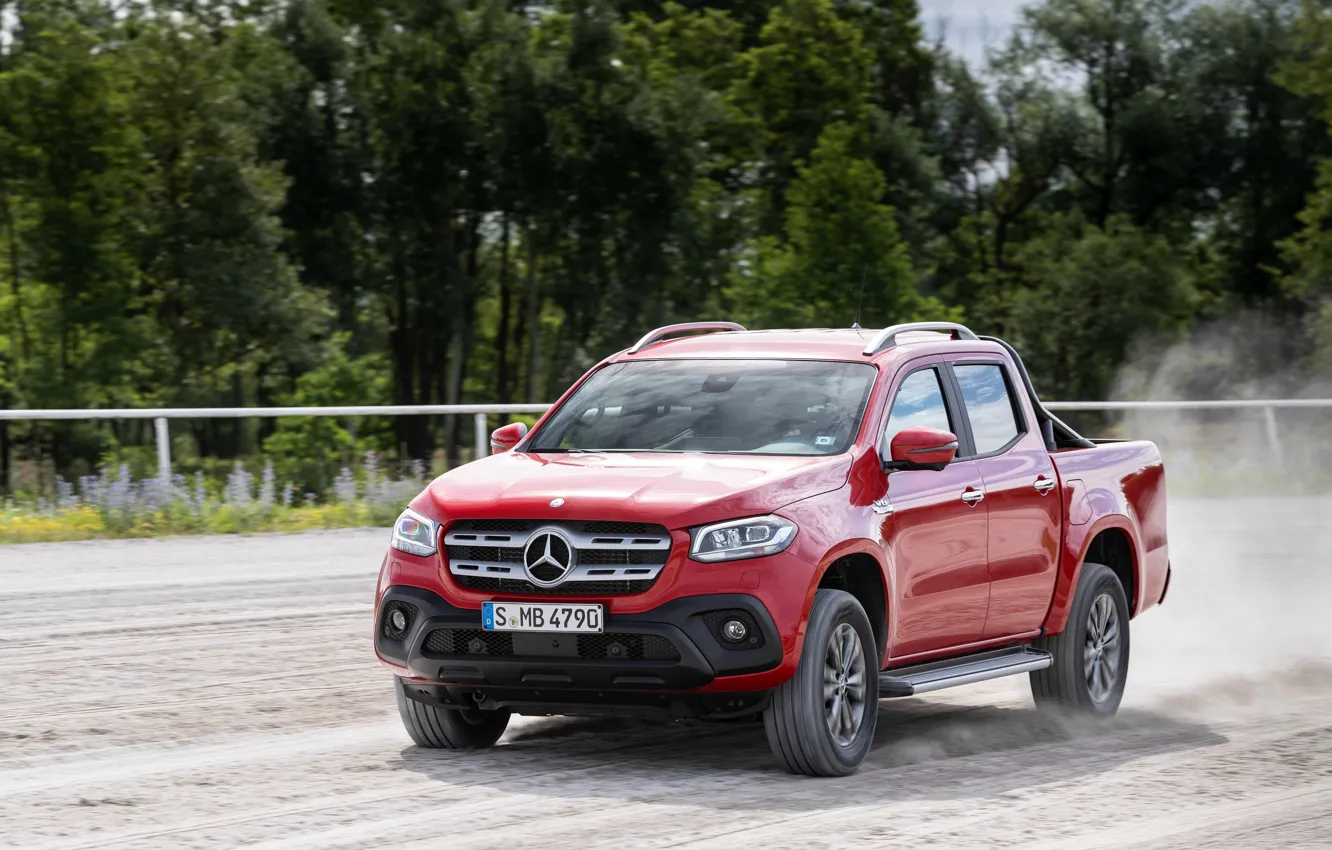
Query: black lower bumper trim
546,702
702,656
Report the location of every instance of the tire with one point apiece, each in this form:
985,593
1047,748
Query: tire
798,719
449,728
1073,683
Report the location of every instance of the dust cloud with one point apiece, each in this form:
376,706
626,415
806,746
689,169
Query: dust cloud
1245,620
1233,451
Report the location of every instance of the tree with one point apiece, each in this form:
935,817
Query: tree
1086,294
810,70
226,301
838,234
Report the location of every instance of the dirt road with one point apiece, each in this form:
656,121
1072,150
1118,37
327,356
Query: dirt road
221,692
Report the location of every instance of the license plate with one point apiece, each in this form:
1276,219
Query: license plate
540,617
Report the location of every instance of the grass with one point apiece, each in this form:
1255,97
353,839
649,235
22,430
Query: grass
112,504
19,525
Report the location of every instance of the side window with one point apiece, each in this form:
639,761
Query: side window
989,406
919,401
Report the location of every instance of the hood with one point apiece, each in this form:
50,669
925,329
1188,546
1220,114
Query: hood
675,490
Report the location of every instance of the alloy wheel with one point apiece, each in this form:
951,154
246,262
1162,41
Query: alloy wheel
1101,648
844,684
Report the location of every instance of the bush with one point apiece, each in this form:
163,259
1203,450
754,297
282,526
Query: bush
115,504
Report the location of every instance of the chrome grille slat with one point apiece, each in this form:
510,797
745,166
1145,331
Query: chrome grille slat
580,539
630,553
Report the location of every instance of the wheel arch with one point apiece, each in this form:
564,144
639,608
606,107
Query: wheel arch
1111,541
856,568
1112,547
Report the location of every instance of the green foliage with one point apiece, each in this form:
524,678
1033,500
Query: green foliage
810,70
838,234
1308,252
361,201
1086,293
309,451
20,525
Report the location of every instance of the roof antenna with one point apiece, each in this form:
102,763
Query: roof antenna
855,326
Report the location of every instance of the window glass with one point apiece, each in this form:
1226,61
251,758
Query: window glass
795,407
919,401
989,407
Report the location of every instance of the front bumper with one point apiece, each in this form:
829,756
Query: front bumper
699,657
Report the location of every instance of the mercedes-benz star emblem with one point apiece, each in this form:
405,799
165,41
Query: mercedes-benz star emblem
548,557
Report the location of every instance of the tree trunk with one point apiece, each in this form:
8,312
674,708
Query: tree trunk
411,433
502,328
4,454
463,330
12,244
533,318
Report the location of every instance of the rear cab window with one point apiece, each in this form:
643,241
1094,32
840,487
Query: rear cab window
993,416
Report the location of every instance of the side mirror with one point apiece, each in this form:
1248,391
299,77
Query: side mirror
506,437
919,447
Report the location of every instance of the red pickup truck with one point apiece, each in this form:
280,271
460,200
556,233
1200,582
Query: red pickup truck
792,524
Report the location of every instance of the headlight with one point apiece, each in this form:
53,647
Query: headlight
742,538
415,534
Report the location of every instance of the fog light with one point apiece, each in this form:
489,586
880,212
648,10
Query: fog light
398,620
734,631
476,646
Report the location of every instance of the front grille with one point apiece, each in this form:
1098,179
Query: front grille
621,556
459,642
569,588
609,557
601,527
620,529
629,647
498,554
514,555
633,647
493,525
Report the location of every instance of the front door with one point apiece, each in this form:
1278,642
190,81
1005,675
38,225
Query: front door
1020,491
936,537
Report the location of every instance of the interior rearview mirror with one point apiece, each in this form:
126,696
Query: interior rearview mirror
507,436
919,447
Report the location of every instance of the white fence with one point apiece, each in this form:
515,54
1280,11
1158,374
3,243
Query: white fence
161,416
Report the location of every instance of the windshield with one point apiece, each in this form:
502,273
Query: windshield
790,407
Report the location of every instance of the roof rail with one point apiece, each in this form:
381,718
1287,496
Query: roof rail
887,337
660,333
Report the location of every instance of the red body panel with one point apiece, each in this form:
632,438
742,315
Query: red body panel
957,576
1117,485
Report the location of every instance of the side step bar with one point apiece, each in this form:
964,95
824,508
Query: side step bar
937,675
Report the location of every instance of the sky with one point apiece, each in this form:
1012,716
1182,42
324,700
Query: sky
970,26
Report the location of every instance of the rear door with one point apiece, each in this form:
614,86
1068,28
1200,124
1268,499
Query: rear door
1003,442
935,538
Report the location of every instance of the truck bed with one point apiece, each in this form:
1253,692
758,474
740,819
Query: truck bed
1115,485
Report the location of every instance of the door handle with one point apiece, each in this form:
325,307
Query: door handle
972,496
1043,485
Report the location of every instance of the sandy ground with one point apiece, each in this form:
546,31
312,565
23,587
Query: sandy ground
222,692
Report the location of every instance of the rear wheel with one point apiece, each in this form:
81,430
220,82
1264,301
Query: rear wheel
821,722
449,728
1091,657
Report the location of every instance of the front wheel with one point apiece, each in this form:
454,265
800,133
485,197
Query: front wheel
438,728
1091,656
821,722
